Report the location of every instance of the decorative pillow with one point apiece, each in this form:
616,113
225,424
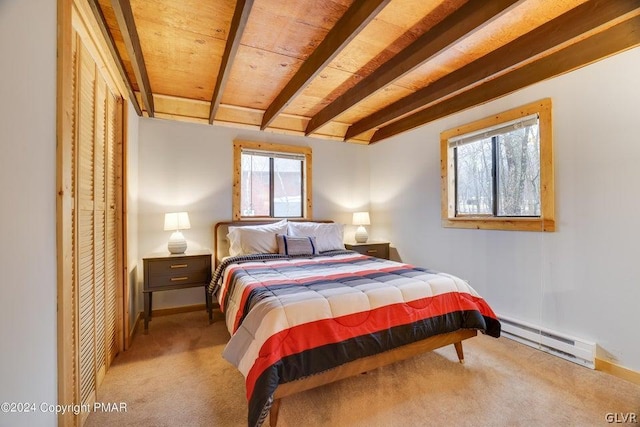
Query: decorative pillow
288,245
329,236
255,239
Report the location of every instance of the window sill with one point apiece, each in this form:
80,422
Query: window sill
509,224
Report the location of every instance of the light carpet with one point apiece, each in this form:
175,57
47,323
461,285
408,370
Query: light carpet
175,376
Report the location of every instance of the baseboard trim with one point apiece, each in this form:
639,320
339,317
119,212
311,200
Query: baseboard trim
618,371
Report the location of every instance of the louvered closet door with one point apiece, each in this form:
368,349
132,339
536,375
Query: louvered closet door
98,112
86,230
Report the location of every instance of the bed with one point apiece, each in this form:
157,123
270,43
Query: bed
303,312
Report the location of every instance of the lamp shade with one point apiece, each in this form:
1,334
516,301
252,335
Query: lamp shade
361,218
176,221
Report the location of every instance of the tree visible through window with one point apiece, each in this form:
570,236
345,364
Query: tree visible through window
498,172
272,181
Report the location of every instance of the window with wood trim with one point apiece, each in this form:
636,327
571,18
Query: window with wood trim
271,181
497,173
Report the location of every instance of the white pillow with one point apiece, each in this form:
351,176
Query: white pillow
329,236
255,239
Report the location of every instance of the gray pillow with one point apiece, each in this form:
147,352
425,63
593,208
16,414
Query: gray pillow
288,245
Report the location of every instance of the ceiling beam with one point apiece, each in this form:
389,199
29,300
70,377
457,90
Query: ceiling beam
578,21
456,26
106,34
238,23
124,16
348,26
616,39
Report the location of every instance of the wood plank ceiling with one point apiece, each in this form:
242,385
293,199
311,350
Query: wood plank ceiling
354,70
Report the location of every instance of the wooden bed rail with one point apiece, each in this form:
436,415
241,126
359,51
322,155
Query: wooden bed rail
366,364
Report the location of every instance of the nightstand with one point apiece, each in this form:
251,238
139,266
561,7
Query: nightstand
376,249
165,272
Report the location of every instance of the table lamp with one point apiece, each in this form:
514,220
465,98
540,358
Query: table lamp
176,221
361,219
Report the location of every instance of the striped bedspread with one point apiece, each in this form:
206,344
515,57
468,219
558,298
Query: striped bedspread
290,318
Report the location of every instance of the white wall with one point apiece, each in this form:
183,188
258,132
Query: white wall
582,279
28,364
186,166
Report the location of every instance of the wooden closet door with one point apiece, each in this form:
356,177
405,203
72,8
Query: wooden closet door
90,204
98,118
85,197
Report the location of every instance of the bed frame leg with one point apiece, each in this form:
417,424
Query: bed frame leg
273,412
209,305
458,346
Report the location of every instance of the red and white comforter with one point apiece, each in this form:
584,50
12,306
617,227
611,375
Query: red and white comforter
294,317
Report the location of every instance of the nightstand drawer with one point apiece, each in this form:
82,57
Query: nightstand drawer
177,267
178,271
177,279
378,250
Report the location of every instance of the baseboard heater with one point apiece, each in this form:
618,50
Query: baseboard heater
570,348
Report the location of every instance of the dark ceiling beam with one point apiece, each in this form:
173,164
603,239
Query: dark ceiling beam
102,23
238,23
616,39
456,26
350,24
577,21
124,16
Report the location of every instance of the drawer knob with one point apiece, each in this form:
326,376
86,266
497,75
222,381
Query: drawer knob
179,279
372,251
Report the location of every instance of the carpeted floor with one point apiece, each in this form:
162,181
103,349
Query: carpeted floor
175,376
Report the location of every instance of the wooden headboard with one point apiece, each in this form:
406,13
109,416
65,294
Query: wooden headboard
221,229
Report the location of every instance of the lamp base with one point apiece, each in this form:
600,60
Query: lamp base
361,235
177,243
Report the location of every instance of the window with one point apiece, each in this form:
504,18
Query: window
271,181
497,173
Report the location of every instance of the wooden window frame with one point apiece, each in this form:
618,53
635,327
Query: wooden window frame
238,146
546,220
